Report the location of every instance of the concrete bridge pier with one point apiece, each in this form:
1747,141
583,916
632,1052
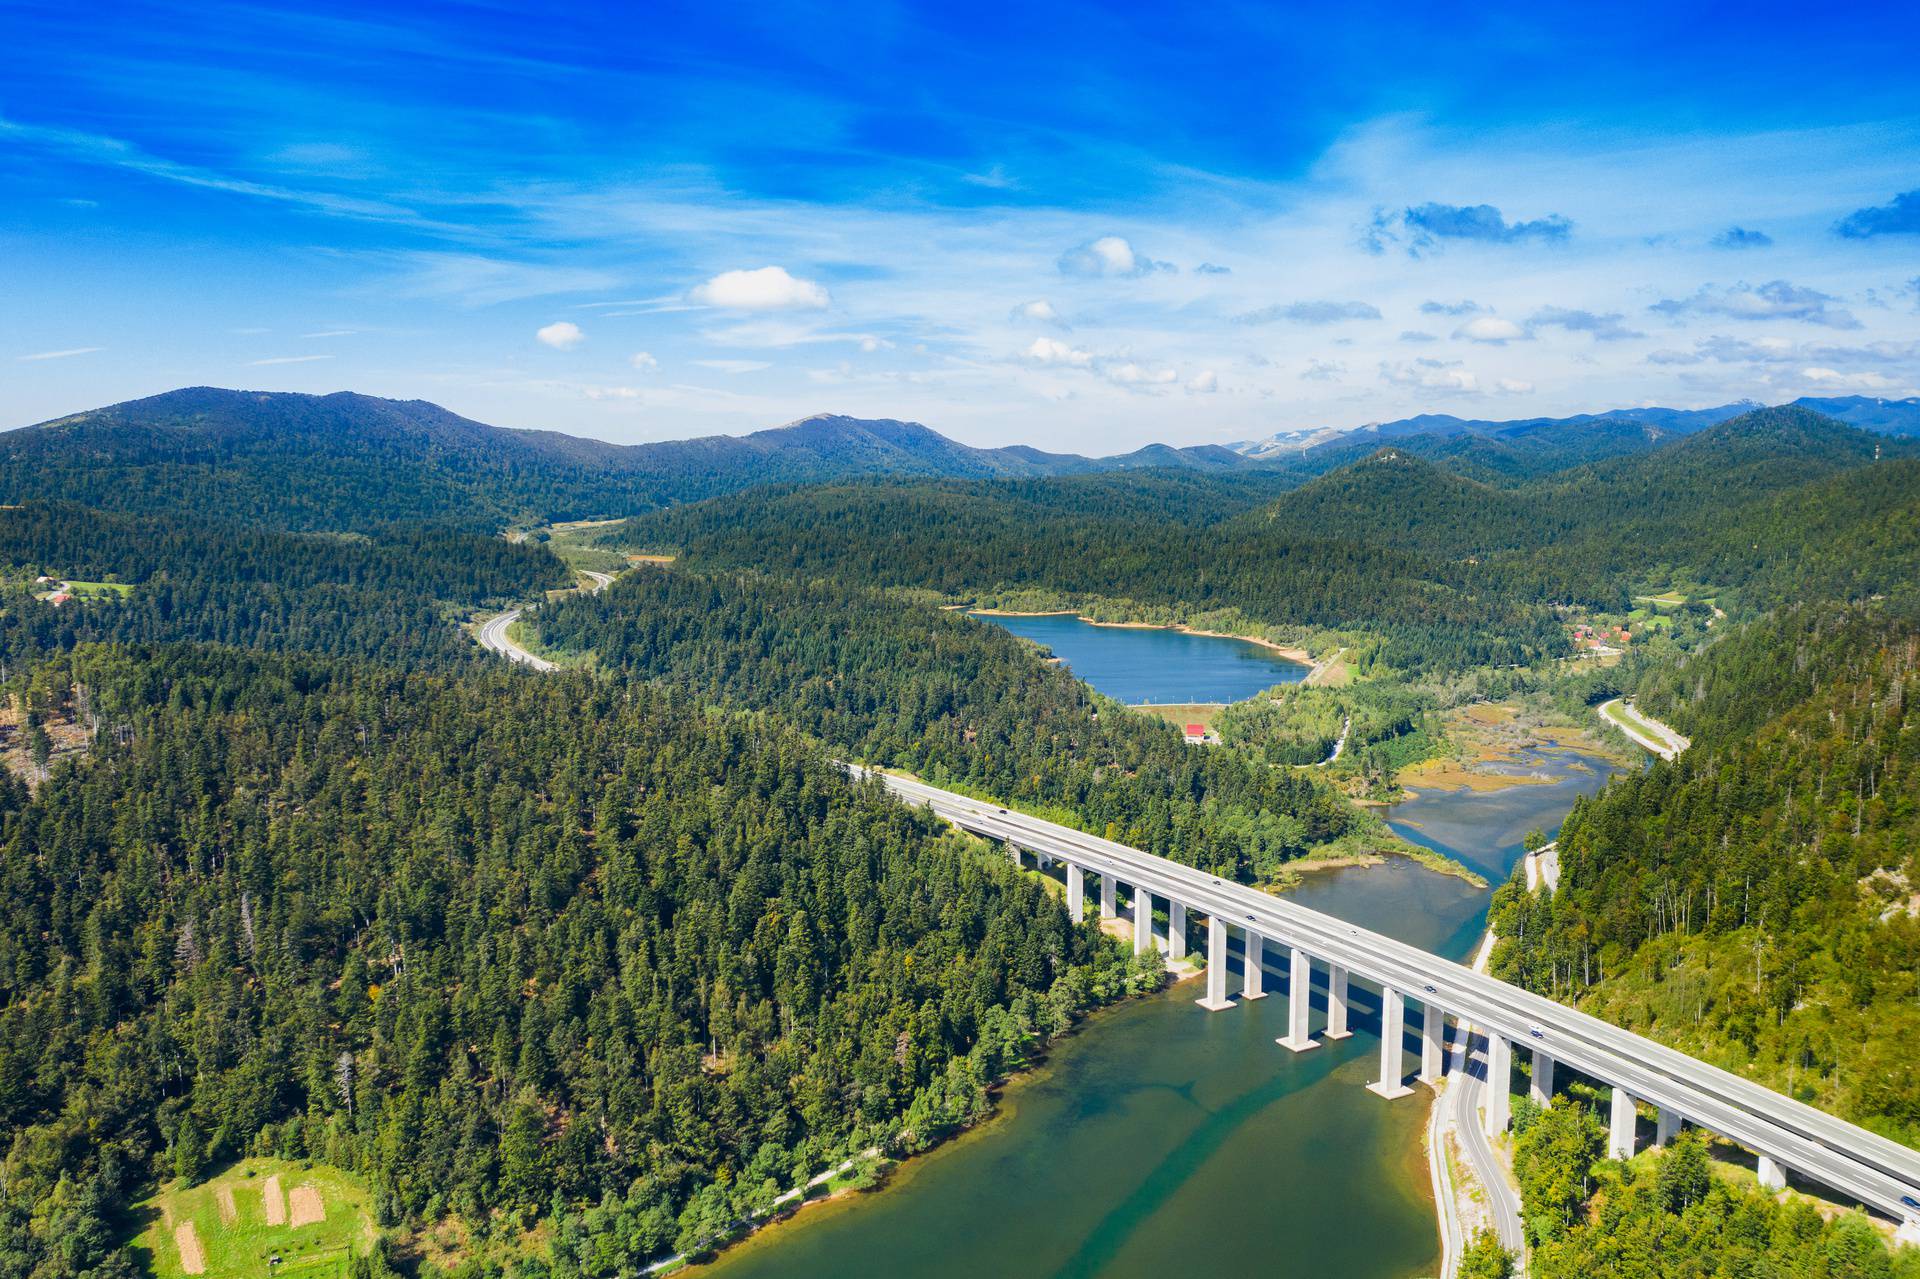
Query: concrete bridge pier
1773,1176
1620,1125
1216,997
1433,1043
1668,1127
1299,1035
1336,1003
1076,893
1176,930
1499,1108
1142,920
1541,1089
1109,896
1393,1028
1253,969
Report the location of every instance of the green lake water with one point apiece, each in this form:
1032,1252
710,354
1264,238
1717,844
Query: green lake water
1162,1139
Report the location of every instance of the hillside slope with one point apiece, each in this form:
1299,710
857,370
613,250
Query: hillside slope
349,461
1754,901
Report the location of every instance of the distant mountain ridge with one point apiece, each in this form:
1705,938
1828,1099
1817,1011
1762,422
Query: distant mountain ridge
1887,417
350,461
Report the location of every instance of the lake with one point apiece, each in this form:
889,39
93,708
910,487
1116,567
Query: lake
1136,664
1165,1139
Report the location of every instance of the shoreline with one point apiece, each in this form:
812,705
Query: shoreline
896,1171
1298,656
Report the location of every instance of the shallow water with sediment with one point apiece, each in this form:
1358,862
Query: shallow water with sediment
1163,1139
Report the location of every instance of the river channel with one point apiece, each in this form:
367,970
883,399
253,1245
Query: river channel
1164,1139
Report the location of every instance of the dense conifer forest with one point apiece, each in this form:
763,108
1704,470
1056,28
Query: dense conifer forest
498,943
392,593
909,686
619,954
1756,901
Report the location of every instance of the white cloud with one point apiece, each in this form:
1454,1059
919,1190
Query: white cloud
1838,381
768,288
1774,300
1437,376
1131,374
1054,351
1323,370
332,333
995,179
1722,349
69,353
1038,311
1513,386
1491,329
561,335
734,366
644,360
869,343
1205,382
1110,255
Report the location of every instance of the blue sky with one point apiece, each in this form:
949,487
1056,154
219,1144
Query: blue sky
1082,226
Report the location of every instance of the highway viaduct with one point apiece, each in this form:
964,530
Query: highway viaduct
1785,1134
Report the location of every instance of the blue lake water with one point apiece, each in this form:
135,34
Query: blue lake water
1140,664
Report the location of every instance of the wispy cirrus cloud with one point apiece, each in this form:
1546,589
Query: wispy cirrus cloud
1725,349
1311,313
1610,326
1739,237
67,354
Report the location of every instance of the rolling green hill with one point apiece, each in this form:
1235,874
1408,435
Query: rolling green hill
348,461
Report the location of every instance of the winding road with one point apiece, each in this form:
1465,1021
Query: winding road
492,633
1643,729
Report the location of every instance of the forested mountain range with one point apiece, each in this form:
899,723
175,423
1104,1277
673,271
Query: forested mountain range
1891,417
348,461
1450,571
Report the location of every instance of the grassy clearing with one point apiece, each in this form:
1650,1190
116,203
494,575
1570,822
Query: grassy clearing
314,1218
1181,714
1332,672
101,590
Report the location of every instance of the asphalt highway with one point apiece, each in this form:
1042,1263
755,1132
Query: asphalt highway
1877,1172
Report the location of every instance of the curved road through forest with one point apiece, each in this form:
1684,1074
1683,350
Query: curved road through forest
492,633
1645,730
